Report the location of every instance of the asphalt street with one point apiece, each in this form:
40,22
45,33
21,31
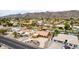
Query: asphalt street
15,44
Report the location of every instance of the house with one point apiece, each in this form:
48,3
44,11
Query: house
61,25
70,39
16,29
1,26
48,25
40,23
43,37
41,34
76,27
25,32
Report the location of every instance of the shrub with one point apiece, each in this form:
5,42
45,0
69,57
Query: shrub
3,31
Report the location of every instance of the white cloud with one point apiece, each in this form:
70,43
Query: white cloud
29,5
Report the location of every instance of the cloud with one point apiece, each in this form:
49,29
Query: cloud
49,5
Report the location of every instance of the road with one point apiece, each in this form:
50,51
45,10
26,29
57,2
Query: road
15,44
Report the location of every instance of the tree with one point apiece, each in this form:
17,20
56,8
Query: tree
9,24
67,26
65,42
3,31
56,32
15,34
71,23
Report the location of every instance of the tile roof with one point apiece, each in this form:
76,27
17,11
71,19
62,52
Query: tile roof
42,33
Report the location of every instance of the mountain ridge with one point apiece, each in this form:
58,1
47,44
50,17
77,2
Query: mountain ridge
48,14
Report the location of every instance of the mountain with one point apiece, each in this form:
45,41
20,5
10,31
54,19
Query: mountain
59,14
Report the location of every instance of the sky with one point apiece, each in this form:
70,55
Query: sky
38,5
9,12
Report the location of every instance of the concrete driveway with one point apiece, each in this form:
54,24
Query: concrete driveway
55,45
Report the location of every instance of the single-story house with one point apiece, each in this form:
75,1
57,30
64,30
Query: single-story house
43,42
25,32
71,39
43,37
61,25
41,34
1,26
48,25
76,27
16,29
40,23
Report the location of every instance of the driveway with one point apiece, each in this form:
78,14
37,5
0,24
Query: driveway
55,45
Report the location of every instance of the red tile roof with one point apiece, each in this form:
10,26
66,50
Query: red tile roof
43,33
